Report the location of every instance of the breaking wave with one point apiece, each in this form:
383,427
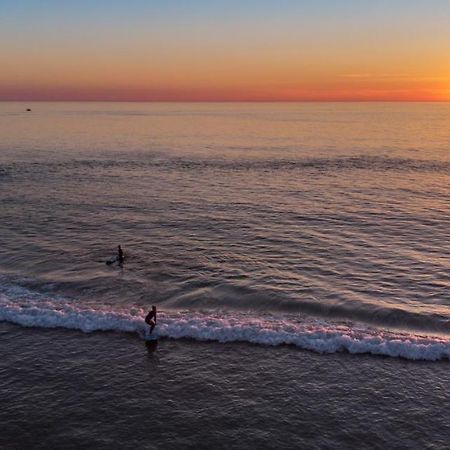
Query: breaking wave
29,309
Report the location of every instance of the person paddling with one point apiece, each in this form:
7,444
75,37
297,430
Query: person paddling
150,320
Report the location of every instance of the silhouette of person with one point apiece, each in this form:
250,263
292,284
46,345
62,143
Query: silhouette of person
120,255
150,319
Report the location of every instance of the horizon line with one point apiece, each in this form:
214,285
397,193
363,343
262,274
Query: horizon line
224,101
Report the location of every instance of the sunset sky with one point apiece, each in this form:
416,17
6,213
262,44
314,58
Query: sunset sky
196,50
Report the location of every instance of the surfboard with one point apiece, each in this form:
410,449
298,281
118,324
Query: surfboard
112,260
151,337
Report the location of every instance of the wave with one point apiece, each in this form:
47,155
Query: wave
307,333
164,162
429,319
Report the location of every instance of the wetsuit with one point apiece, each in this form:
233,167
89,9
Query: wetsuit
120,256
151,319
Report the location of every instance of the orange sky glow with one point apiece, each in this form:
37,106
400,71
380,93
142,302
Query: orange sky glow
335,51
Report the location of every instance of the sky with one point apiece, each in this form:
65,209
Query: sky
247,50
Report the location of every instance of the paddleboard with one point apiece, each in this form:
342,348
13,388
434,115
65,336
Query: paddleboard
112,260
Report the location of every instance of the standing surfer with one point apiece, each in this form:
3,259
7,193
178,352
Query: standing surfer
151,319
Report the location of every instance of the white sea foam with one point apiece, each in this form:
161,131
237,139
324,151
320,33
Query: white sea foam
310,334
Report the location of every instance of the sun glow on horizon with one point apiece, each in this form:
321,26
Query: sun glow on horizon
292,51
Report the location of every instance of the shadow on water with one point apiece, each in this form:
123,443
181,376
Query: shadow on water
151,346
152,355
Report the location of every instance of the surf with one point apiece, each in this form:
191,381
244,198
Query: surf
308,333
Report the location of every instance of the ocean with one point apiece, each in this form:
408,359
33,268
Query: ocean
298,255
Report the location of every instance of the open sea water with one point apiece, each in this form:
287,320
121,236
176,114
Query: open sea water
298,254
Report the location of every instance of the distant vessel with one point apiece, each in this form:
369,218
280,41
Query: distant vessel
28,109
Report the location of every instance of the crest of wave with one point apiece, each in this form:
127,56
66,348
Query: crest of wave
304,332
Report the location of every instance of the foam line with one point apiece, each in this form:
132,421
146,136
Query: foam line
306,333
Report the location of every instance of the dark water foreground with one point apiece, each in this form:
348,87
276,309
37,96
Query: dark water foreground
65,389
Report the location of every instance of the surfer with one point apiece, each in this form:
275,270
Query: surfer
120,255
151,319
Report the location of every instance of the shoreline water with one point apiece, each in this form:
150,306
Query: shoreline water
107,389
